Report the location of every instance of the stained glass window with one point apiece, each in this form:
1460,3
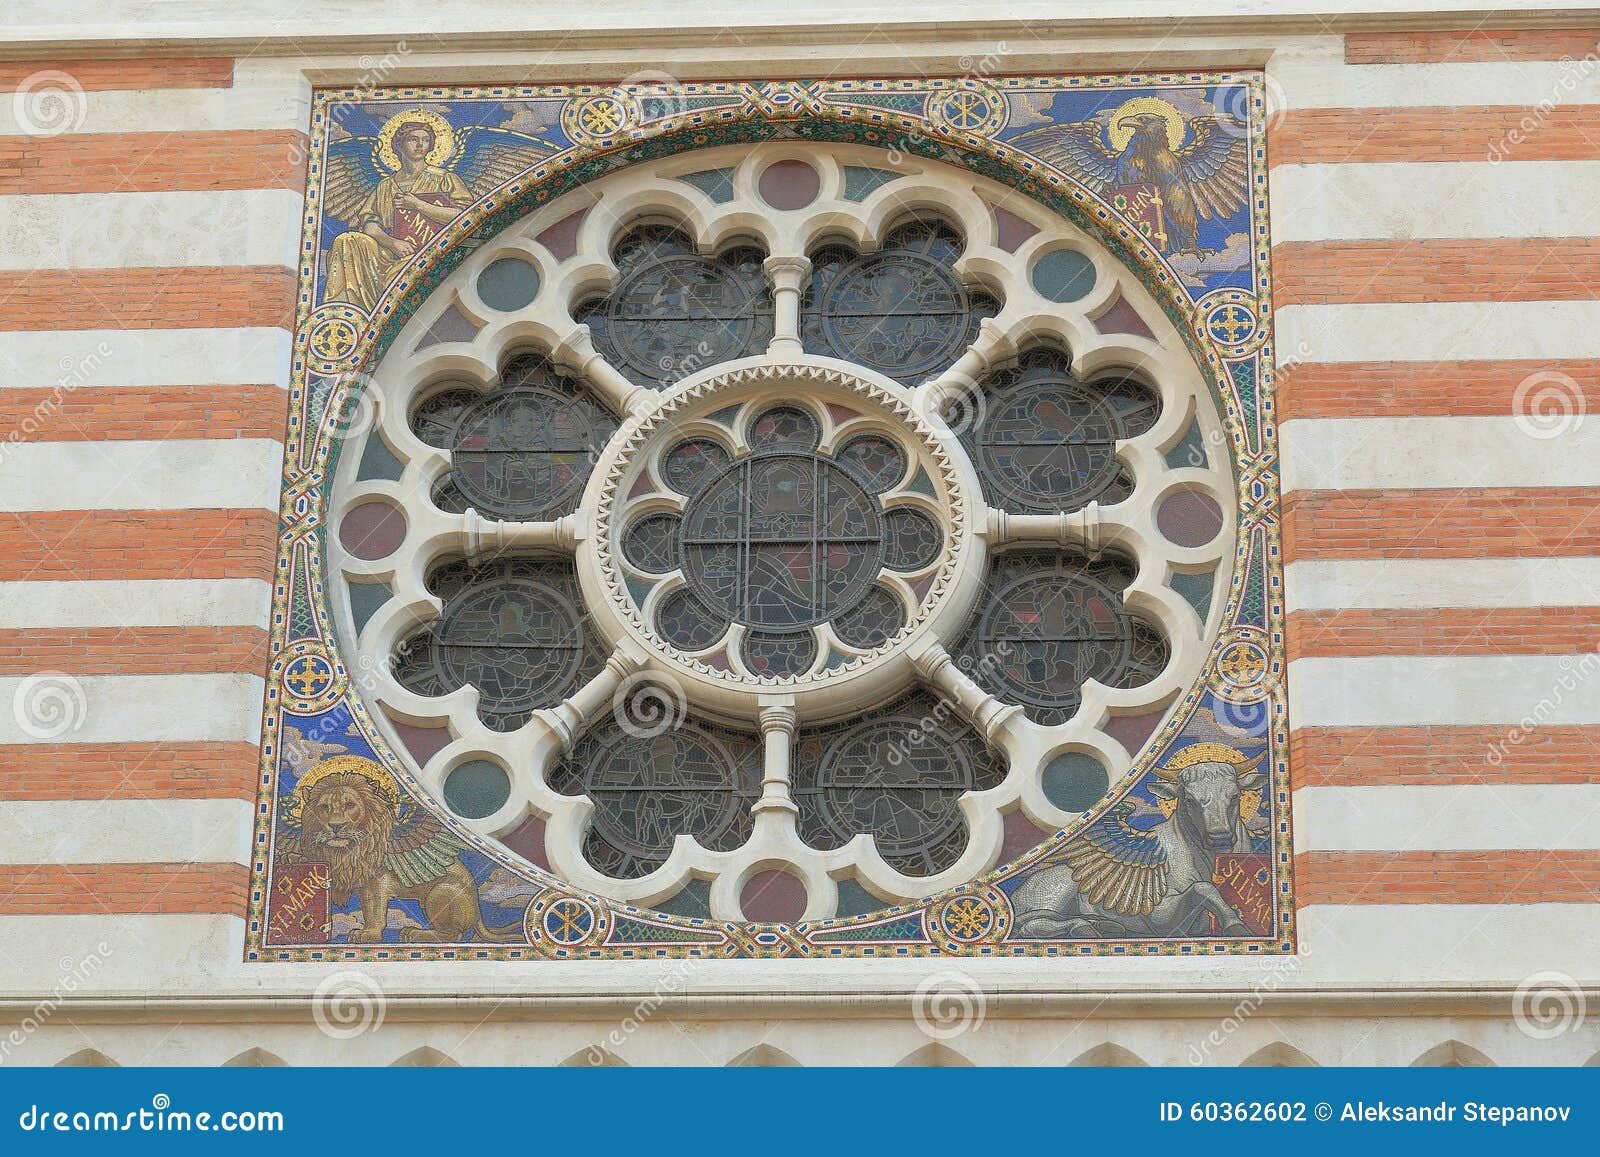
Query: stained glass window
647,788
781,540
1047,441
513,629
523,451
901,311
1050,623
896,774
675,311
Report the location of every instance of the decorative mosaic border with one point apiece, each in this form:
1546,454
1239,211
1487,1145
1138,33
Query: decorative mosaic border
313,704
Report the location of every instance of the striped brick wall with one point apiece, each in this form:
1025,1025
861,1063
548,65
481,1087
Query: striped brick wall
1436,242
149,218
1435,278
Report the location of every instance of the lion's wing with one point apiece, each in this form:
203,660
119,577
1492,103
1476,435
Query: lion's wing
421,849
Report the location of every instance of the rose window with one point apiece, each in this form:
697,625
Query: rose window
739,517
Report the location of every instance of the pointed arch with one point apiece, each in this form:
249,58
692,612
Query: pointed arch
87,1059
594,1057
1452,1054
1278,1055
425,1057
1110,1056
935,1056
256,1058
763,1056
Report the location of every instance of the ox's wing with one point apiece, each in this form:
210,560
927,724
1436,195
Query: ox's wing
421,849
1118,866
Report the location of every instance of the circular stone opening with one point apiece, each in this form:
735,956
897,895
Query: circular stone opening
786,522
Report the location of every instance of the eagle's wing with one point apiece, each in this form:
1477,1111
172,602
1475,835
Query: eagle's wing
420,848
352,173
1216,166
1118,866
488,158
1076,148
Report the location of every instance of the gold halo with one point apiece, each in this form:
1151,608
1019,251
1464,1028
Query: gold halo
444,138
369,769
1205,753
1176,127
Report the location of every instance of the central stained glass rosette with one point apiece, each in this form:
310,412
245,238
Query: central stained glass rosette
787,522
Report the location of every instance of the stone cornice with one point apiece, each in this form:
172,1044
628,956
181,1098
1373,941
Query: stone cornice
555,40
1492,1003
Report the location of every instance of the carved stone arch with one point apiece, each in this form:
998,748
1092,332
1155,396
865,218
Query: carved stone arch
763,1056
1054,191
425,1057
87,1059
934,1056
594,1057
1453,1054
1110,1056
1278,1055
255,1058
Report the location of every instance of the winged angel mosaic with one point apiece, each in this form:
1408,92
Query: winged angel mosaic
395,191
1183,846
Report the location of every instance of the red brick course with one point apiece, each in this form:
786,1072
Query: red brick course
1331,136
102,75
1491,877
207,770
188,298
1463,45
1450,631
153,162
1508,269
1373,756
138,544
1471,522
128,413
133,650
123,889
1425,389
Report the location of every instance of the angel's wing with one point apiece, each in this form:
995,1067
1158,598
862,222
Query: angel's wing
1216,166
487,158
1077,148
352,173
420,848
1118,866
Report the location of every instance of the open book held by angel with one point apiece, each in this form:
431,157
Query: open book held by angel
396,191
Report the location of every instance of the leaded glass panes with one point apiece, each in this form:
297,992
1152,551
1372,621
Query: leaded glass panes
513,629
1050,623
523,451
674,311
901,311
1047,441
648,787
897,775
